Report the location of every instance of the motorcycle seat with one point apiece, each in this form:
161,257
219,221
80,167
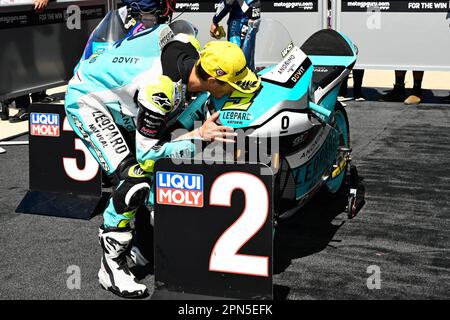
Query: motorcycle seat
330,54
327,42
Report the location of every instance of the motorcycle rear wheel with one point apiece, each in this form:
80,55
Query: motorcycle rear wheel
335,185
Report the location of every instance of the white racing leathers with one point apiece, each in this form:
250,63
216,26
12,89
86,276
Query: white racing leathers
103,101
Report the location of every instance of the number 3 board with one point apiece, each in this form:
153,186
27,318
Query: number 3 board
65,179
213,230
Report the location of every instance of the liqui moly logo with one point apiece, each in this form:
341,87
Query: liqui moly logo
44,124
179,189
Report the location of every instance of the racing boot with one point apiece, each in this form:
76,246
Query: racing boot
138,257
141,252
22,115
114,274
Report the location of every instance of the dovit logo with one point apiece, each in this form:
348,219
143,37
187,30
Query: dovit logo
44,124
298,74
179,189
125,60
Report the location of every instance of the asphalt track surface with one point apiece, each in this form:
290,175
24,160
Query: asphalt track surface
401,151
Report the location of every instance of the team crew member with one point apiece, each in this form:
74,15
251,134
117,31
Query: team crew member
120,95
151,12
242,26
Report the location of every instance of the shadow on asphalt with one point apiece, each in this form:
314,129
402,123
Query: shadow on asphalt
428,96
280,292
309,231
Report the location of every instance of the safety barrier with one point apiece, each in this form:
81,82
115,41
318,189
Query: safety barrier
399,35
65,179
40,49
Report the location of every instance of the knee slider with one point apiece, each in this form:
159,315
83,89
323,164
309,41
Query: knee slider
130,195
137,195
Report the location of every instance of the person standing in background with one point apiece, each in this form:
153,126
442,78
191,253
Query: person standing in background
151,12
398,94
242,25
358,75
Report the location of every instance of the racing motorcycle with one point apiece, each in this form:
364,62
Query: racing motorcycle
297,107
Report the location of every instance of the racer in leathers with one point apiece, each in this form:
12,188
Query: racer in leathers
139,90
242,24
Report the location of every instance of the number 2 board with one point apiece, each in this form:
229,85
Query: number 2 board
213,230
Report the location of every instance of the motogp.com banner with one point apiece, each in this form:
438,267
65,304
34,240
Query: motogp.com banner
266,6
396,6
29,17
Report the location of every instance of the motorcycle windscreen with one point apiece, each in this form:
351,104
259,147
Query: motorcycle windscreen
273,43
183,26
110,30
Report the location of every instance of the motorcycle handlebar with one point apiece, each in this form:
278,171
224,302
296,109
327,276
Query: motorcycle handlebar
319,109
